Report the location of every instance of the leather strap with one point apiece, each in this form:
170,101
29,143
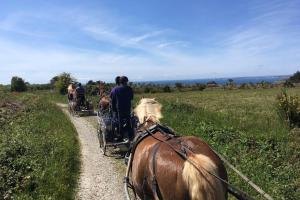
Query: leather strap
155,187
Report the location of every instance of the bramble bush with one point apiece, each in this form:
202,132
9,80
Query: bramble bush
289,108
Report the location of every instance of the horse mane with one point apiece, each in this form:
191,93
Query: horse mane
148,109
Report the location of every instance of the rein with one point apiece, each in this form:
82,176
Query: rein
231,189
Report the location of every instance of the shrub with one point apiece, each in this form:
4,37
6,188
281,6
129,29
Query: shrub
18,84
53,80
244,86
295,78
62,82
288,84
179,86
147,89
198,86
289,108
35,87
167,89
92,88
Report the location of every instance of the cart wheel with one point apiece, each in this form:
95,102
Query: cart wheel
104,143
102,140
69,108
72,112
99,134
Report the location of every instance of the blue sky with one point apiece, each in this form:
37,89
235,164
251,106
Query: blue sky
148,39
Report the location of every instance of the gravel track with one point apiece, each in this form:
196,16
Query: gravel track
99,176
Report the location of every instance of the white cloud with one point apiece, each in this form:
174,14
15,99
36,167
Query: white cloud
266,45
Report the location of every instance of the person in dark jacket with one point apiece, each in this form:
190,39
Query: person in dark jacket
121,97
80,94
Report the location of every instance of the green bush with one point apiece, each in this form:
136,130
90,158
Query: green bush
179,86
18,84
289,108
167,89
295,78
39,150
288,84
62,82
35,87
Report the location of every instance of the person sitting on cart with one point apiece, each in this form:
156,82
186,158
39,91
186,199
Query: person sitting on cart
121,97
80,95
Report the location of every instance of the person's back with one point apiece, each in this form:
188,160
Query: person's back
80,94
122,95
80,90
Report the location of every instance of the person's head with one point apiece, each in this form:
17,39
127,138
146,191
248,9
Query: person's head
117,80
78,84
123,80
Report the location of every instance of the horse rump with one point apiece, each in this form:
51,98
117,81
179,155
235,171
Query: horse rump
199,180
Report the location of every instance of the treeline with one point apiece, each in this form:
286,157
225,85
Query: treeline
60,84
18,84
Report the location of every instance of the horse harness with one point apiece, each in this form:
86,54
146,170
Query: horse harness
168,134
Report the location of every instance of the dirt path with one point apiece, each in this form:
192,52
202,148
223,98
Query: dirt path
99,177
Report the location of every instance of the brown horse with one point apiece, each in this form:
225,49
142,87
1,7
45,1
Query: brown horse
104,102
158,172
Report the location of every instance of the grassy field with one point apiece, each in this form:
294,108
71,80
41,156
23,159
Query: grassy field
39,150
243,125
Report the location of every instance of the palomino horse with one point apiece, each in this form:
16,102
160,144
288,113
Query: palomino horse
175,178
71,98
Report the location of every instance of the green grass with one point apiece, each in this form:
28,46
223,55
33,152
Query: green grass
39,150
244,126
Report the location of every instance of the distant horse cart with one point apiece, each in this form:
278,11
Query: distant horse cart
163,166
80,107
77,103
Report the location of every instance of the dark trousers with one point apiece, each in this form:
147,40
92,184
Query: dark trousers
125,126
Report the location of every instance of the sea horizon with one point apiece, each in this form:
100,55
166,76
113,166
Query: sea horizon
221,81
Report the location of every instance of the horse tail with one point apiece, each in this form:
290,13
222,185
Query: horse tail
200,184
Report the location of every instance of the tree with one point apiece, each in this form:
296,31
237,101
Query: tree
18,84
167,89
295,78
91,82
179,86
200,86
53,80
63,81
